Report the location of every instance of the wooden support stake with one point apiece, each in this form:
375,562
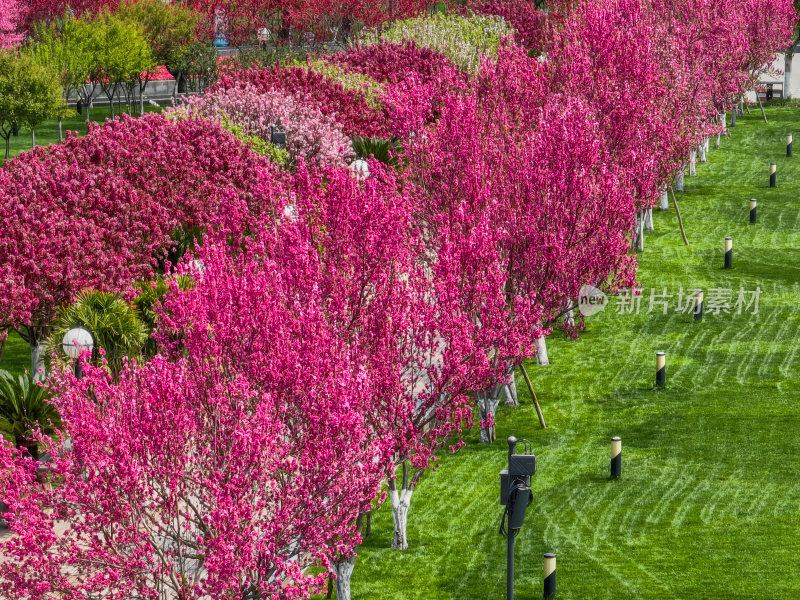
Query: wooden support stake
680,221
533,395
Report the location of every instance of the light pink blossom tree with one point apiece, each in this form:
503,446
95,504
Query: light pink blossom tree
10,16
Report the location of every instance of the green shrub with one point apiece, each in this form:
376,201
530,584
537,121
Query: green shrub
24,408
116,326
349,81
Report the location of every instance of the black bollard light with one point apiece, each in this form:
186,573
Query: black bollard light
728,252
773,175
788,144
753,204
516,496
698,305
549,575
616,457
661,369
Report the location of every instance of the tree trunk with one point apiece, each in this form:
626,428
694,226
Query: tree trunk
569,315
401,502
663,203
707,145
734,110
679,180
787,73
510,391
60,130
640,231
693,163
37,360
701,150
142,89
488,401
8,146
31,447
541,351
33,138
648,220
343,569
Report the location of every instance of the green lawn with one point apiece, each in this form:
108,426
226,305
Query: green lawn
708,503
47,132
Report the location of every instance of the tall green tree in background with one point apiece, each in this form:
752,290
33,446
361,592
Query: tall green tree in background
30,93
70,61
169,29
123,54
69,48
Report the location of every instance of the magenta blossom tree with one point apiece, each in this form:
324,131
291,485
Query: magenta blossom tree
537,169
225,468
311,137
10,17
101,211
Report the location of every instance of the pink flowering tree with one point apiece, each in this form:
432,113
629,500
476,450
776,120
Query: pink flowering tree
311,137
537,168
349,108
416,80
424,298
225,468
104,210
10,17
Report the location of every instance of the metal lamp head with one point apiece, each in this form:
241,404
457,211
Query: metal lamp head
361,168
77,340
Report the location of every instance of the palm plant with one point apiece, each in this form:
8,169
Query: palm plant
386,151
25,409
116,326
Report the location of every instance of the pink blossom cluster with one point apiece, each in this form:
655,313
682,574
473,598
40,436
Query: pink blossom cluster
347,107
310,136
417,80
98,211
10,23
528,20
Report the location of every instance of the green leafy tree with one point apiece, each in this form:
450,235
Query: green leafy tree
168,28
123,54
29,94
117,327
198,66
69,47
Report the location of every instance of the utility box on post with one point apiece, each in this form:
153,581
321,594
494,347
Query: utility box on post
516,496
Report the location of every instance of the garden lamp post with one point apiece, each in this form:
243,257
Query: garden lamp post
361,168
75,341
516,496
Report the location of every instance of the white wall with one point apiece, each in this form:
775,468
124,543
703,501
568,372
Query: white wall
779,66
